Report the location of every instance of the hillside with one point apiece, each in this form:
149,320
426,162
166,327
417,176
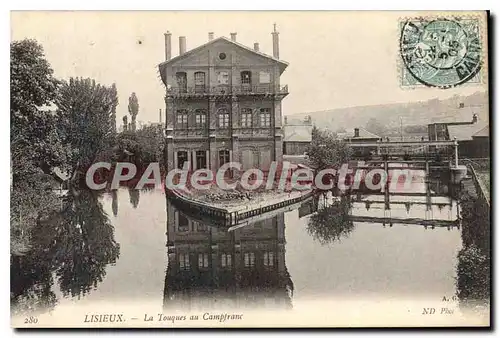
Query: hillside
414,113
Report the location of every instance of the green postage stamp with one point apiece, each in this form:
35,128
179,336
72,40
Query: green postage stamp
440,52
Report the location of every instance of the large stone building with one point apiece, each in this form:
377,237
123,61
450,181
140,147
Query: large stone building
212,268
223,103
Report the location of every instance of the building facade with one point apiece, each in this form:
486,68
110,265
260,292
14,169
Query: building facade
223,103
472,136
212,268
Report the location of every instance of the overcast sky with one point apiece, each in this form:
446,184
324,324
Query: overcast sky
337,59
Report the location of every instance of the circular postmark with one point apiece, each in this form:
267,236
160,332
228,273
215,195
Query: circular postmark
441,53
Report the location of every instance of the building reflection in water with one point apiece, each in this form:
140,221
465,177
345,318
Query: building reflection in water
210,267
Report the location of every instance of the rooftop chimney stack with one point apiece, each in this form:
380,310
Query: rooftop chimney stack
356,132
182,45
160,115
210,36
168,46
474,118
256,46
233,37
276,43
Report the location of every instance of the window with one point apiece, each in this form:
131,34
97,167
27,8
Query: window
223,156
201,227
181,79
225,260
264,77
223,118
182,119
182,156
184,261
246,78
246,118
201,118
201,159
183,224
265,117
223,78
249,259
222,56
203,260
199,82
269,258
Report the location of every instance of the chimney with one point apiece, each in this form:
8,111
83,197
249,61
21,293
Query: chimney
356,132
286,120
474,118
210,36
182,45
256,46
168,46
276,43
160,116
233,37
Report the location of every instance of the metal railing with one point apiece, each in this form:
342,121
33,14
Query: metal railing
474,166
229,90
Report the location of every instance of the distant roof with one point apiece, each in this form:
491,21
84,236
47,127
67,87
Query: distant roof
297,133
466,131
485,132
282,63
363,134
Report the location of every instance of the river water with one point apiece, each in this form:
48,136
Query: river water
131,246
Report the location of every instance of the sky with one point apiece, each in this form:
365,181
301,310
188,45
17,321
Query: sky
337,59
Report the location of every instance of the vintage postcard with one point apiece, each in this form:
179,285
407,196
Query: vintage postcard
249,169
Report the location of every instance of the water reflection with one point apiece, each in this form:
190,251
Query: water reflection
134,195
71,248
210,267
332,221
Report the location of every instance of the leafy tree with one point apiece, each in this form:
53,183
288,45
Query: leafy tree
326,151
35,145
331,223
34,139
133,109
86,119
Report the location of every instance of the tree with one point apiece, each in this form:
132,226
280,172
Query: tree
326,151
35,145
331,223
133,109
87,121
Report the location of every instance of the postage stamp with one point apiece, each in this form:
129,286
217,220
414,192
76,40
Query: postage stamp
440,52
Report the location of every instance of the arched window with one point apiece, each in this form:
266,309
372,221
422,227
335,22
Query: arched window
181,79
